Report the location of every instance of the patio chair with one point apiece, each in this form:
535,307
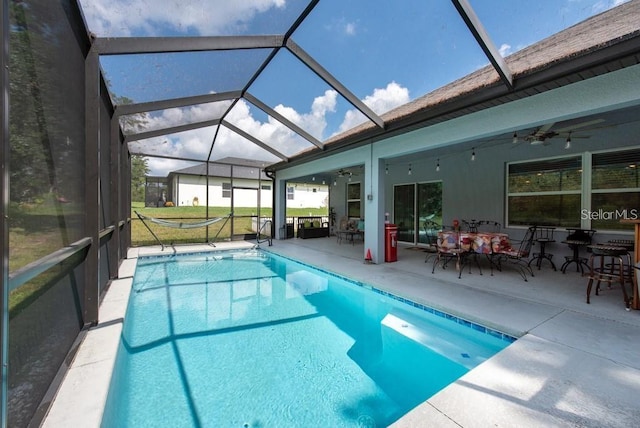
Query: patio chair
450,247
431,229
518,255
489,226
342,230
471,225
350,229
359,231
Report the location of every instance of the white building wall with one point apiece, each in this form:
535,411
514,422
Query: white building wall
188,187
308,195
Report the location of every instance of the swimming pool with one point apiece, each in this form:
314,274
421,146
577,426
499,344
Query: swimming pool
252,339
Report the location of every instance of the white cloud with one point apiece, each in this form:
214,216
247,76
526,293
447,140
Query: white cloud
342,26
603,5
195,144
315,121
381,101
505,50
124,17
350,28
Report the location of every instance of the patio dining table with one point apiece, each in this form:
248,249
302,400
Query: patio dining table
472,244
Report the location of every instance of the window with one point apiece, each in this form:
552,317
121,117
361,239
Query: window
615,188
591,190
265,187
226,190
290,193
353,200
546,192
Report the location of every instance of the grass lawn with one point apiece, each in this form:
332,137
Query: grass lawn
242,222
40,230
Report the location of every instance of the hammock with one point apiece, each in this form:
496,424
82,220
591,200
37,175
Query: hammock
181,225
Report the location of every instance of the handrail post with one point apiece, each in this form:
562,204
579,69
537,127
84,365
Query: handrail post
270,238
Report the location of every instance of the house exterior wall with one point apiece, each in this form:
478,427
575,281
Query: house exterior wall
301,195
476,189
186,188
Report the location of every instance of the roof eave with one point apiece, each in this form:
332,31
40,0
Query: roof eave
597,60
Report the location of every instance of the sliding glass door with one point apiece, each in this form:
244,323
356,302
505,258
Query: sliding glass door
429,206
416,207
404,211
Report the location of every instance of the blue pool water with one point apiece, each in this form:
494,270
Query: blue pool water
251,339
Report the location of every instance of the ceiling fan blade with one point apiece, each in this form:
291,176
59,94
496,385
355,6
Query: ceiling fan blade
544,129
580,125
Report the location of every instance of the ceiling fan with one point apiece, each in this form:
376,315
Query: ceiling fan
344,173
542,135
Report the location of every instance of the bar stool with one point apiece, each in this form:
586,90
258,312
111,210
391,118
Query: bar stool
628,245
600,271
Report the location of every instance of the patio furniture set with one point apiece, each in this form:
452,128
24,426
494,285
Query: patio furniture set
608,263
496,247
350,229
312,227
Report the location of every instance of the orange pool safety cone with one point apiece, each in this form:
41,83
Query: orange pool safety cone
367,258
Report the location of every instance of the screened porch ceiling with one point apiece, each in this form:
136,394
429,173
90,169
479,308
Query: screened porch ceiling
269,80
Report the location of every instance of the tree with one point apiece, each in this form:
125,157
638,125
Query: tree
139,166
139,172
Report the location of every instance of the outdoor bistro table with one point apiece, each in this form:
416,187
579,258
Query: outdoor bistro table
544,236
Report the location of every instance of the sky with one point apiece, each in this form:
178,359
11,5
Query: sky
386,53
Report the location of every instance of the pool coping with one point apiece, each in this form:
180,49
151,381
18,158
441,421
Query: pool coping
503,390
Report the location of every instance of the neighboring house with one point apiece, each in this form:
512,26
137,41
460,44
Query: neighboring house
238,180
307,195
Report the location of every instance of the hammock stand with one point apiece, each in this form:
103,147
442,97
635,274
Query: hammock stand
182,225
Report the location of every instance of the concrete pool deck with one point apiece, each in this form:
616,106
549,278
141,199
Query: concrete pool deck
573,365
